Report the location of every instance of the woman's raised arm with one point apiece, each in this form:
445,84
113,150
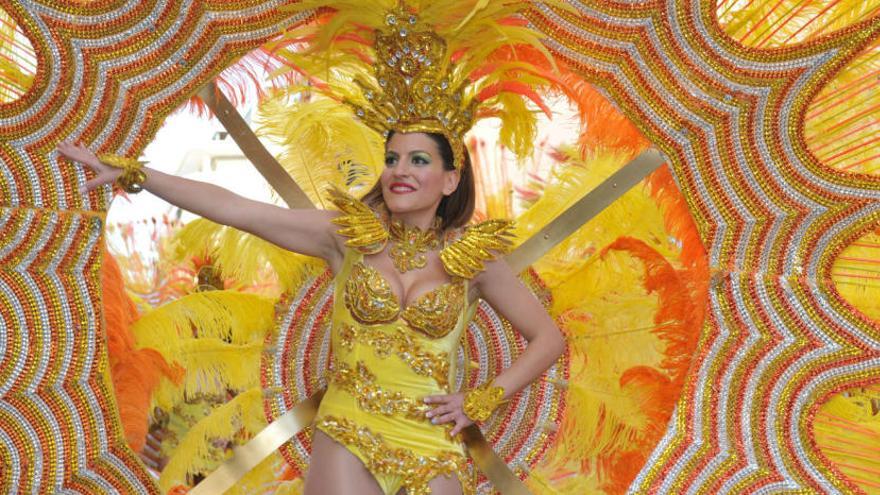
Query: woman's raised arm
308,232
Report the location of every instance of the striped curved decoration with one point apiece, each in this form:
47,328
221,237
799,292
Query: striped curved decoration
778,338
107,73
750,111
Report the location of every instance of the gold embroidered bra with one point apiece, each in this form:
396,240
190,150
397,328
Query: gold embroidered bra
368,295
370,299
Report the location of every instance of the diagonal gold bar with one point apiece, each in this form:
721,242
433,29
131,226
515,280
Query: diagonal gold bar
584,210
281,430
498,472
264,443
247,456
253,149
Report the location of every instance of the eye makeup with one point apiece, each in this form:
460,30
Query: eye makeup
421,158
390,158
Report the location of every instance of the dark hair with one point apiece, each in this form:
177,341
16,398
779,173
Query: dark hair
454,210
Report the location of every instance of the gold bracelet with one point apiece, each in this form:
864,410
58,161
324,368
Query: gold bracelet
481,401
132,177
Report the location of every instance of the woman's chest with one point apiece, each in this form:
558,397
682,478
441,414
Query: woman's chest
370,299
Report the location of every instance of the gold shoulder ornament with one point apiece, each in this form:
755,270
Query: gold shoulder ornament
365,230
464,257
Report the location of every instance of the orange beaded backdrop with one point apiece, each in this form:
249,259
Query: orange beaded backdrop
778,337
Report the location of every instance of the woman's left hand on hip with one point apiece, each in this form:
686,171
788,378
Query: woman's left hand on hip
448,408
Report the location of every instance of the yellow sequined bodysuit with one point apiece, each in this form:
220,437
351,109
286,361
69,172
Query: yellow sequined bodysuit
386,358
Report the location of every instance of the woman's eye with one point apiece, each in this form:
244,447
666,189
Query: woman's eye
390,160
421,160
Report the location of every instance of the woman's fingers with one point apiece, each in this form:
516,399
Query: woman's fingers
460,424
445,408
78,153
91,184
449,409
445,418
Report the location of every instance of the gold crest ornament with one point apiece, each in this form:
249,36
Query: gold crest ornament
464,257
425,66
365,230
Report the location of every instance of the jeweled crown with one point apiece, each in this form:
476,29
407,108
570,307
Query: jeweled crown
433,66
413,90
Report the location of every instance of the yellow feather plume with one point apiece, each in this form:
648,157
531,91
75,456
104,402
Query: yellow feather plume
786,22
518,124
571,481
854,273
847,431
323,144
237,317
17,78
268,479
194,454
608,418
243,257
213,366
215,336
602,303
634,214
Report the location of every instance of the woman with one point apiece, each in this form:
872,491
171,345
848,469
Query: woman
398,314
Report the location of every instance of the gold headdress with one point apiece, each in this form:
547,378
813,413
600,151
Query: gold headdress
429,66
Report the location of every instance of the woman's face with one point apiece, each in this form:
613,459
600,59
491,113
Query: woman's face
414,178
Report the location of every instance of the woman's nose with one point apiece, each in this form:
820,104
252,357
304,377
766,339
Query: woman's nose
402,168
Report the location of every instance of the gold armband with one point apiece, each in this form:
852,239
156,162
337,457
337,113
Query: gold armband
481,401
132,176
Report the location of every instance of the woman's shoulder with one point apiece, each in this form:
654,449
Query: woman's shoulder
468,248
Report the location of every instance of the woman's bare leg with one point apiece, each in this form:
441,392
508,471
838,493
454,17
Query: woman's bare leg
445,485
333,470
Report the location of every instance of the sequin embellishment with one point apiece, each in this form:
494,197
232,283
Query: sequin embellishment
369,298
400,343
361,384
436,312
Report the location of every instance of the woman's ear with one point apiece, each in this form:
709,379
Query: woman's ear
450,184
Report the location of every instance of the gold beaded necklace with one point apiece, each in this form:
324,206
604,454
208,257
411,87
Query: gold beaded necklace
410,244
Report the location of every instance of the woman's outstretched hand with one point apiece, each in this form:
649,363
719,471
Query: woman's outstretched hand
78,153
449,408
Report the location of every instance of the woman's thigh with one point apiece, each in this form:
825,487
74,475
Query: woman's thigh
333,470
445,485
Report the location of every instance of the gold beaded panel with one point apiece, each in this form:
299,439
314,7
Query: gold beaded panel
778,338
106,74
